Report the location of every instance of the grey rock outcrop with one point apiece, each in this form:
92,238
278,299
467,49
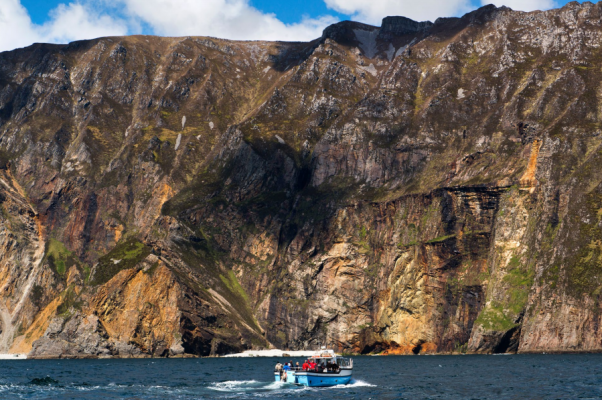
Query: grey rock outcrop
398,26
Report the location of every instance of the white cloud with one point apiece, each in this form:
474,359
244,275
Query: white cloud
85,19
76,21
231,19
15,26
373,11
523,5
67,23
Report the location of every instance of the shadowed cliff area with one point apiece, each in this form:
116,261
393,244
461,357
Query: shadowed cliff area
415,188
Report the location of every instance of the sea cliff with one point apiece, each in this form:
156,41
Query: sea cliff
416,188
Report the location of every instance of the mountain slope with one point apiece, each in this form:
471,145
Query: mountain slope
418,187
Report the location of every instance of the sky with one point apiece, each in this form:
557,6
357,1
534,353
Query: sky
23,22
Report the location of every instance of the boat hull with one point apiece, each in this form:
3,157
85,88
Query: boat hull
317,379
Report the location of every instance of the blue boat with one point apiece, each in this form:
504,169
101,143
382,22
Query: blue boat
331,370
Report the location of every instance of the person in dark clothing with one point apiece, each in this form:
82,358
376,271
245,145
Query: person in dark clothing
335,367
320,367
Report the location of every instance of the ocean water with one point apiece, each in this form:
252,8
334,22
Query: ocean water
410,377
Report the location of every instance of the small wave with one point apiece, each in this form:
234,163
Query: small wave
354,383
230,386
47,381
250,386
277,385
87,388
359,383
255,386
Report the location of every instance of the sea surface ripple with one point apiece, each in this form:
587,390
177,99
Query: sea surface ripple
567,376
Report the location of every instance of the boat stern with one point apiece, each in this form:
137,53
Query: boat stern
290,377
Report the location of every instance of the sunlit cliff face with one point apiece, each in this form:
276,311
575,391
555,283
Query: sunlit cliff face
419,187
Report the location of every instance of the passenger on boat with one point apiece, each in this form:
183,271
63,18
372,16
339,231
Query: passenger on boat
286,367
279,369
297,366
312,365
331,366
306,365
322,367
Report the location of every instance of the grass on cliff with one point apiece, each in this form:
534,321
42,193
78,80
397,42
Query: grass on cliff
123,256
58,257
519,283
440,239
583,269
495,318
227,285
70,302
232,284
501,315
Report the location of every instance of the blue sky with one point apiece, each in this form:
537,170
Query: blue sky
288,11
23,22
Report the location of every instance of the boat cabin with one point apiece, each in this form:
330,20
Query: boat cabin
329,357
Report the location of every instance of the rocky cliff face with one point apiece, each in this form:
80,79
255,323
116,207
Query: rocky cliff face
419,187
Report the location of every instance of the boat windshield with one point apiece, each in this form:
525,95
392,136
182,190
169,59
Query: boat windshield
344,362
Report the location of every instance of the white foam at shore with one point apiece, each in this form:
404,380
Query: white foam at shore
13,356
274,353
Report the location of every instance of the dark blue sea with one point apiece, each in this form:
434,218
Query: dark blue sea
410,377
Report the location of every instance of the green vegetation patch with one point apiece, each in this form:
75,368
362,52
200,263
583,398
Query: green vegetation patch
363,244
500,315
519,282
587,269
551,275
494,318
58,257
123,256
373,270
440,239
514,262
232,284
582,271
70,301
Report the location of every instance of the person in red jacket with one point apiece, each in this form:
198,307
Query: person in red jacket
306,365
312,365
